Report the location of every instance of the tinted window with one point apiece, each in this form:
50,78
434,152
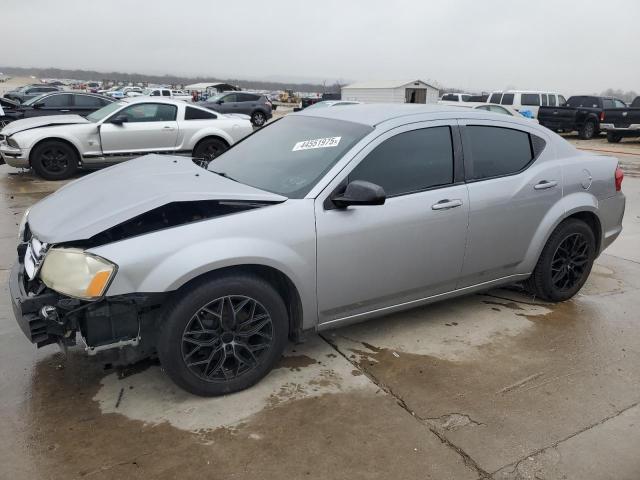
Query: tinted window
507,99
88,101
450,98
166,93
465,98
544,99
607,103
561,101
497,151
290,155
530,99
155,93
636,102
583,101
150,112
197,114
409,162
57,101
495,98
246,97
552,100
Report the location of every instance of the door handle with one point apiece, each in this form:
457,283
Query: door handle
446,204
544,184
168,128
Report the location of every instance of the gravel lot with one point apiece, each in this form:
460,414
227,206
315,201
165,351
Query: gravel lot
491,385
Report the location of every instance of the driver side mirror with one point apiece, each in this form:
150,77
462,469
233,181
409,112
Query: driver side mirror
119,119
360,192
220,102
38,105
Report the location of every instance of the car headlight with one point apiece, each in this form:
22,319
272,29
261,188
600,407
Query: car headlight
12,143
22,226
76,273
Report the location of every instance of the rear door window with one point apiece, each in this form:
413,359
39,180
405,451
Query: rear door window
543,96
198,114
247,97
532,99
409,162
229,98
497,151
88,101
619,103
607,103
166,93
552,100
495,98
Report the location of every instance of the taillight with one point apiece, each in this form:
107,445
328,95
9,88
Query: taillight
619,177
602,116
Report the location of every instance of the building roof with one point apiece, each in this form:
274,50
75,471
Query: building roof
386,84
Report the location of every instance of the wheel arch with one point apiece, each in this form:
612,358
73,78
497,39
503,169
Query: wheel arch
209,134
273,276
55,139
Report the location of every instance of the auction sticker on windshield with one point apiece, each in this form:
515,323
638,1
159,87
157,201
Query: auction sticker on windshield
317,143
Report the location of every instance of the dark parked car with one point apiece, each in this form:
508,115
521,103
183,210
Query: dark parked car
28,92
9,111
56,103
583,113
622,122
257,106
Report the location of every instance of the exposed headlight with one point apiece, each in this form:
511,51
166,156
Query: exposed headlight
12,143
22,226
74,272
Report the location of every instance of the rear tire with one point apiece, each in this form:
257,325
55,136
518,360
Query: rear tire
587,131
565,262
613,137
209,148
54,160
223,335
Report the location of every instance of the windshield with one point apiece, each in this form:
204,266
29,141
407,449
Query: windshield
104,112
291,155
33,100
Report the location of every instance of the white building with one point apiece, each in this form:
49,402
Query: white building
401,91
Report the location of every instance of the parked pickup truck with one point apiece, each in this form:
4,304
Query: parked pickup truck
622,122
56,146
583,113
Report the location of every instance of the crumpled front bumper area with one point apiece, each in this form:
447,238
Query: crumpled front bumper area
27,309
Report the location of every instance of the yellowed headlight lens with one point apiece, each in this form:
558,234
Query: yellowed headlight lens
73,272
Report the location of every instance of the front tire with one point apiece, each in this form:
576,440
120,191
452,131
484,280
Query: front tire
223,335
258,119
565,262
54,160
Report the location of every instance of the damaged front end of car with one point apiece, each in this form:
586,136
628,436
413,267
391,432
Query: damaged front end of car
59,291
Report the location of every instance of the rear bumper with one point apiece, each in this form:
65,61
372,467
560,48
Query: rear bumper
611,211
633,128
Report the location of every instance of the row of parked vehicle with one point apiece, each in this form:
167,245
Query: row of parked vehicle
589,115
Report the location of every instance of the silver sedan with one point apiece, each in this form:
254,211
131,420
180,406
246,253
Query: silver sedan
323,218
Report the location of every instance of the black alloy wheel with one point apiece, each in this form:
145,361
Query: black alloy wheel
209,148
226,338
569,262
54,160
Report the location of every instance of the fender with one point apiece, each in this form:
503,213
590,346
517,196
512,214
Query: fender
208,132
565,207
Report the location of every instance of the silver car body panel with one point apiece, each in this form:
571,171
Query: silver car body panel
104,142
352,264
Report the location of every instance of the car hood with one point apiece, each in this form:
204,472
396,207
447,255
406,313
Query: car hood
44,121
104,199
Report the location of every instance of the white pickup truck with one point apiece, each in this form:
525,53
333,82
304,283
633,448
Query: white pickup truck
166,93
56,146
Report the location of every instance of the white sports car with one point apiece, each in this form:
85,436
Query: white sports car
55,147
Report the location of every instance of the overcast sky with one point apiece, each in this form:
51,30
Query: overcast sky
572,46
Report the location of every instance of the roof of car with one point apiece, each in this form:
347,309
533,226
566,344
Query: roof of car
147,99
375,113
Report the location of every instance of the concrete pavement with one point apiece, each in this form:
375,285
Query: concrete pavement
491,385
